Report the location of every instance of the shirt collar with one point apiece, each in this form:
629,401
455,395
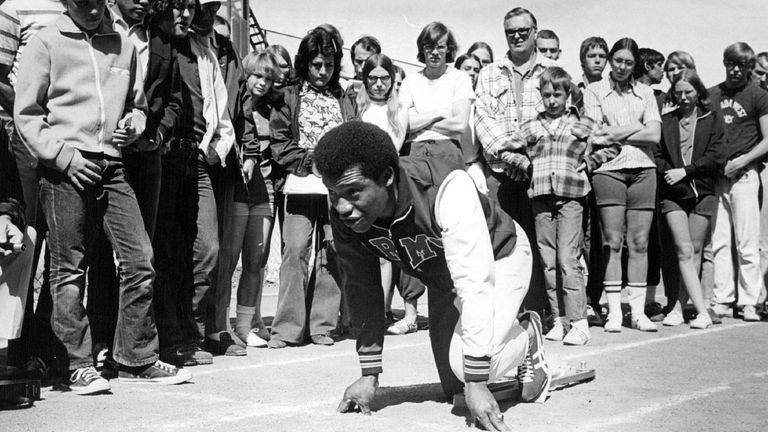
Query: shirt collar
569,111
118,20
66,25
613,86
539,62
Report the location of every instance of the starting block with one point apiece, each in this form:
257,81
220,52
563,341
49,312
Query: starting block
563,376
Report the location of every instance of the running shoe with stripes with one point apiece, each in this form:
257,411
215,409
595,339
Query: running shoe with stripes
87,381
156,373
533,374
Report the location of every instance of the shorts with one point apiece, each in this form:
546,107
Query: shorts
704,205
446,149
633,188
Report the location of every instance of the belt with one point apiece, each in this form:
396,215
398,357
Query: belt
183,144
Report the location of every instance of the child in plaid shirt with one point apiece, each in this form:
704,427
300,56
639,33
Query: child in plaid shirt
558,149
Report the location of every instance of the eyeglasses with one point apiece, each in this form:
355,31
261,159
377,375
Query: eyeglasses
549,50
439,48
731,65
522,32
372,79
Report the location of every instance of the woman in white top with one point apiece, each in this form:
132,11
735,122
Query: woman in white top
438,98
379,105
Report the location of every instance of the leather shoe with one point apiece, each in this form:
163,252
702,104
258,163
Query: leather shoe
224,346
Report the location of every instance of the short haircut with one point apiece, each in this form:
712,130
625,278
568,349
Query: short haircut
518,11
263,62
740,53
680,58
464,57
355,144
590,43
692,77
368,43
557,77
319,41
650,56
630,45
547,34
480,45
430,35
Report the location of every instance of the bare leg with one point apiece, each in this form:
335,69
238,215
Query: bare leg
682,233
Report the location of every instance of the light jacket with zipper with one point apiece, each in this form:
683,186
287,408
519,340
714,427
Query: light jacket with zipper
707,159
74,89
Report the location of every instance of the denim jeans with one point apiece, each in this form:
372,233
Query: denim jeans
559,239
73,219
142,170
186,246
304,302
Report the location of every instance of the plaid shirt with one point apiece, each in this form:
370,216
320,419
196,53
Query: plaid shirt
557,150
496,118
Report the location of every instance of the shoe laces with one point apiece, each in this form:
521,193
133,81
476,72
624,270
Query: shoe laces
166,367
87,374
525,370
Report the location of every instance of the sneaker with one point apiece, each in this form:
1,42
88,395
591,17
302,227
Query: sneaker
105,364
86,381
593,318
557,332
749,313
577,335
701,321
321,339
178,356
402,327
201,356
533,374
613,323
156,373
254,340
224,346
654,311
722,310
673,318
275,343
642,323
713,317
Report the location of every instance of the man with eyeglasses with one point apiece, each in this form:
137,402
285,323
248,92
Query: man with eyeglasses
507,96
548,44
363,48
744,107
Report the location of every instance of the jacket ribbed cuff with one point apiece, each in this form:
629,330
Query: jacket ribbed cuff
370,363
476,368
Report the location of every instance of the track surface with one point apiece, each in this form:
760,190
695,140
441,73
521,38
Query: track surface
674,380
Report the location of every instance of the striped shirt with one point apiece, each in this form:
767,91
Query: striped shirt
556,148
606,102
19,21
498,111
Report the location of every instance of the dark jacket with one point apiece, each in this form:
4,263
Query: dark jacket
162,87
240,106
413,242
11,197
284,129
706,161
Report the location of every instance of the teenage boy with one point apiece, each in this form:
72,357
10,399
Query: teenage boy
548,44
744,107
593,55
187,238
71,79
427,217
562,147
363,48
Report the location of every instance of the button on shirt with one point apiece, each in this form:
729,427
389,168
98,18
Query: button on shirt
605,101
499,110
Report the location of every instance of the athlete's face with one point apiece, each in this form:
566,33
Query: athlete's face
359,200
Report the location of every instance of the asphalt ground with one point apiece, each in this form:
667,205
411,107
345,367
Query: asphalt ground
675,380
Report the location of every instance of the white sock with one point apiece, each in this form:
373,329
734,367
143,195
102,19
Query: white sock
244,316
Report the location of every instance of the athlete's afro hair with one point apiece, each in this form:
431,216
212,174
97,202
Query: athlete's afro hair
355,143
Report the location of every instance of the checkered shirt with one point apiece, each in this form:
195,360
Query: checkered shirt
496,118
555,150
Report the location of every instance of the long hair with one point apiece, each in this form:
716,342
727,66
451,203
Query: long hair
480,45
281,52
393,103
430,35
160,10
319,41
691,77
630,45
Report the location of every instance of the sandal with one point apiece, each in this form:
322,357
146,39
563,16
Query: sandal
402,327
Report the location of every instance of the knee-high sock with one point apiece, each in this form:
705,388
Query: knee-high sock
636,293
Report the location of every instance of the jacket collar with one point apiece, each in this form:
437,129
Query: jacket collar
66,25
700,114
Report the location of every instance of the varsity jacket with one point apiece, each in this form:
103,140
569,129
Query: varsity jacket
707,159
73,89
415,242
